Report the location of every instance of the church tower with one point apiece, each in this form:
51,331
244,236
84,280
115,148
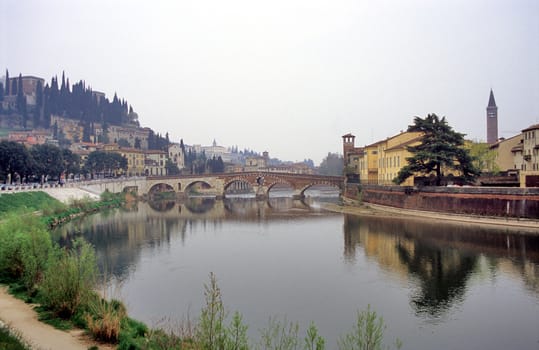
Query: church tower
492,120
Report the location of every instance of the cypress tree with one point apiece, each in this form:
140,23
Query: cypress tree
7,83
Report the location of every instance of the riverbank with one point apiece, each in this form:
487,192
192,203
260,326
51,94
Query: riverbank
527,226
23,321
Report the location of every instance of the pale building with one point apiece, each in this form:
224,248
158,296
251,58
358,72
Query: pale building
175,154
155,163
529,174
505,156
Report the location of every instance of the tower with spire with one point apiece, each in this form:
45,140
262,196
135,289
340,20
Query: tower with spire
492,120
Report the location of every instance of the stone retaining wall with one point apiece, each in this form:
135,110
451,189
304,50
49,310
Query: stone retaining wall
485,201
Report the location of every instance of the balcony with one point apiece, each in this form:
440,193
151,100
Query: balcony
527,157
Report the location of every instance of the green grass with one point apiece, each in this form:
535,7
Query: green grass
26,201
9,341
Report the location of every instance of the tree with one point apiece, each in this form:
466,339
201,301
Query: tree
48,160
14,159
441,149
331,165
172,168
484,159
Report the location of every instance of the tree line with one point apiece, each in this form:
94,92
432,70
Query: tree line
77,102
39,163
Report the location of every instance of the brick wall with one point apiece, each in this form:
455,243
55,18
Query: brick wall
488,201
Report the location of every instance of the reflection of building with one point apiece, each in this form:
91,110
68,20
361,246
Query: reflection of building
442,257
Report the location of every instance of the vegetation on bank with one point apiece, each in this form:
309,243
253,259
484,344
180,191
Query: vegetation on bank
62,281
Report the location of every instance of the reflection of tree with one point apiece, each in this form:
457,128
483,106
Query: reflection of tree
443,274
441,256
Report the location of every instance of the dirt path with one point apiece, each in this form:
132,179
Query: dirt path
22,319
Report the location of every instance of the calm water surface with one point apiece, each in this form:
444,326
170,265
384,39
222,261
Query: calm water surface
437,285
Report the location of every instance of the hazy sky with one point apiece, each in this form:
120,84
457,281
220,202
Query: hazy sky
290,77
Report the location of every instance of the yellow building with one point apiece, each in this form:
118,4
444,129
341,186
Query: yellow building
135,161
505,152
368,164
529,174
392,154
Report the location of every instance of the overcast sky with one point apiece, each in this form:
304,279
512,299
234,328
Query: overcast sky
290,77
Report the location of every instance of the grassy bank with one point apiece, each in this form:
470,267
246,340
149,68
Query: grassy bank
62,281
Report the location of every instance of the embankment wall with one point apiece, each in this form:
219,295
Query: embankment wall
484,201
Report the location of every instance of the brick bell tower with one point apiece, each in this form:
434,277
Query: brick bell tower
492,120
348,145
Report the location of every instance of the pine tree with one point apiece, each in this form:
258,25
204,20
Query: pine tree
440,149
7,83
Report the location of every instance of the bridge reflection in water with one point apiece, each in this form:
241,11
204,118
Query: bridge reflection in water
435,268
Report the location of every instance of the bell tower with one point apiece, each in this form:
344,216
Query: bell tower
492,120
348,145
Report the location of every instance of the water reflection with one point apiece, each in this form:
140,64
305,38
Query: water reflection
284,256
441,257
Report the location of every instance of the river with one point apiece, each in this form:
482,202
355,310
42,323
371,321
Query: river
437,285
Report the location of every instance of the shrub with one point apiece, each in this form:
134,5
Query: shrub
69,278
368,333
24,247
279,335
105,318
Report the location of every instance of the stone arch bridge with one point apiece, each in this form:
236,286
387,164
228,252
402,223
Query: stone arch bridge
217,184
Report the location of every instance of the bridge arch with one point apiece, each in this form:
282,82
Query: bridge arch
197,186
160,187
314,185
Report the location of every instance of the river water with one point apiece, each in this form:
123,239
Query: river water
437,285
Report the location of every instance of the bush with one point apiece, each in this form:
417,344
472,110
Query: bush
69,279
24,247
368,333
105,318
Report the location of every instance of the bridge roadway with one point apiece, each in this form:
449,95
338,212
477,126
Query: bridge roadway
216,184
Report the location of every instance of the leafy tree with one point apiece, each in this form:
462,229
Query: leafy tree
71,161
14,159
48,160
108,163
484,159
123,143
332,165
172,168
441,148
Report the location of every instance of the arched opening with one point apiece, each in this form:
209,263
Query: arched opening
281,189
161,191
320,193
200,188
239,189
